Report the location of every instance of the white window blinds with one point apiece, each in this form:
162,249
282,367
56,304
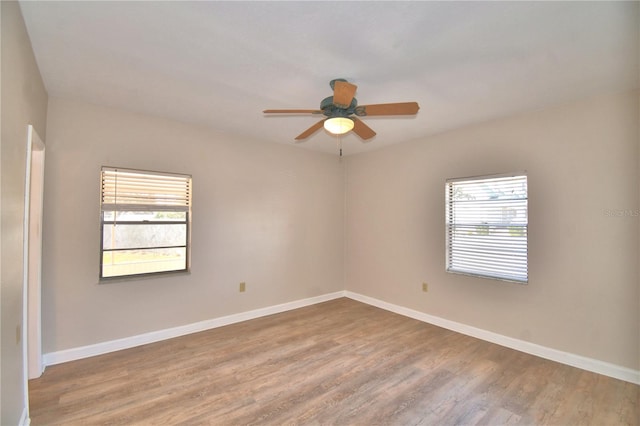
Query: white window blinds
145,224
486,221
124,189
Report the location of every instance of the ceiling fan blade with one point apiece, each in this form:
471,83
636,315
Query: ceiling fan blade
402,108
292,111
361,129
343,93
311,130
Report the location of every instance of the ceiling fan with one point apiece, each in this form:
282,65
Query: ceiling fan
342,111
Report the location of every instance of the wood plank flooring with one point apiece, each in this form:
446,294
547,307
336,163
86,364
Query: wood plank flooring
336,363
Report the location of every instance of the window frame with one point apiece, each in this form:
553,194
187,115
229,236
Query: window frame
111,201
454,258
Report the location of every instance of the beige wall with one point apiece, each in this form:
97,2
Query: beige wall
582,163
273,216
24,101
270,215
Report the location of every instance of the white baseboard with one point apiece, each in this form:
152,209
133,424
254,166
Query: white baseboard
59,357
589,364
584,363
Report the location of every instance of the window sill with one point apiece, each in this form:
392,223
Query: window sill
142,277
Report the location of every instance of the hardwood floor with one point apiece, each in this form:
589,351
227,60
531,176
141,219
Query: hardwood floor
336,363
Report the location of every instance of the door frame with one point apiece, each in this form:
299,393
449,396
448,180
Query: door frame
32,262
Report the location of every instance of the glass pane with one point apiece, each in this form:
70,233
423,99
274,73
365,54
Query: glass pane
134,262
511,188
144,216
143,235
487,227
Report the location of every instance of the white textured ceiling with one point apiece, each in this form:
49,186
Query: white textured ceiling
220,64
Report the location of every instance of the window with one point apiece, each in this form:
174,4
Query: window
145,222
487,227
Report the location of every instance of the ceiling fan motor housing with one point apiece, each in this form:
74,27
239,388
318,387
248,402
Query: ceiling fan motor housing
331,110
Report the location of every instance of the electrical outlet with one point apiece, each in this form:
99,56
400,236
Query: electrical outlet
18,334
243,287
425,287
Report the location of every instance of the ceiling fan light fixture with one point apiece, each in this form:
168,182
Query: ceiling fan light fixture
338,125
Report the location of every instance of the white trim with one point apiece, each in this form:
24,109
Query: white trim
589,364
584,363
25,275
25,420
31,304
493,176
33,327
59,357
